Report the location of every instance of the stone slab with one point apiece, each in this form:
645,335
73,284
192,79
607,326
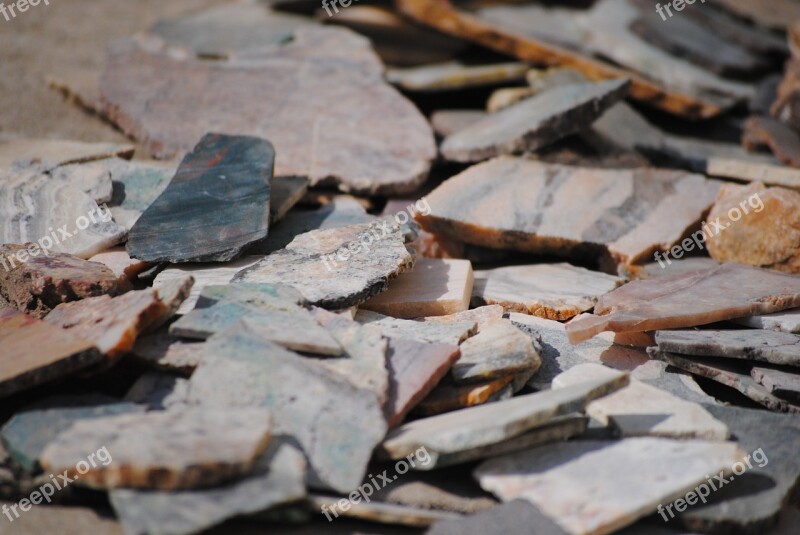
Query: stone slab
448,122
482,316
453,333
551,291
744,344
448,396
52,153
787,321
118,261
135,186
453,75
516,516
159,391
497,351
780,383
382,513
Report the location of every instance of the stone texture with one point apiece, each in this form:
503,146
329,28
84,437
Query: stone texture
534,123
767,235
67,521
311,138
39,207
172,295
727,373
620,216
216,205
599,487
309,263
689,299
135,186
58,353
517,516
454,75
780,383
447,122
51,153
116,259
415,368
248,370
276,479
285,193
28,433
778,14
485,425
435,287
643,410
41,283
383,513
551,291
788,321
111,324
482,316
497,351
452,333
746,344
159,391
166,450
502,98
92,178
449,396
761,132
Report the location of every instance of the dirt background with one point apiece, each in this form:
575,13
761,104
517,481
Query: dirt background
68,36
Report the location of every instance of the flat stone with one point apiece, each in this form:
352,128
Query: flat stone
535,122
448,122
34,203
165,450
746,344
382,513
116,259
453,75
767,233
276,479
285,193
551,291
111,324
482,316
222,187
435,287
363,361
761,132
590,486
341,212
41,283
343,143
727,373
780,383
58,353
92,178
52,153
499,350
248,370
788,321
28,433
54,518
320,266
159,391
172,295
778,15
517,516
415,368
486,425
643,410
655,270
221,32
507,96
753,502
452,333
528,206
725,24
204,275
448,396
689,299
135,186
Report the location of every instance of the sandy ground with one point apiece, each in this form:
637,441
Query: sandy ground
66,36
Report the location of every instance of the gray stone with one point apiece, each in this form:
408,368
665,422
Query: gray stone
248,370
454,75
159,391
169,353
51,153
499,350
311,263
780,383
135,186
452,333
517,516
277,479
745,344
535,122
787,321
382,513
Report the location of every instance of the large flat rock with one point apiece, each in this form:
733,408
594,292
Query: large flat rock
780,383
485,425
535,122
643,410
277,479
58,354
248,370
497,351
453,333
689,299
620,216
746,344
552,291
166,450
215,206
51,153
373,140
787,321
41,283
589,486
337,268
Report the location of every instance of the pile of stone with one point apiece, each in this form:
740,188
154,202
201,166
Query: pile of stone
322,298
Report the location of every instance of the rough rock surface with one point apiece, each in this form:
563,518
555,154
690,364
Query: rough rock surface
497,351
746,344
452,333
780,383
221,187
311,138
787,321
51,153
